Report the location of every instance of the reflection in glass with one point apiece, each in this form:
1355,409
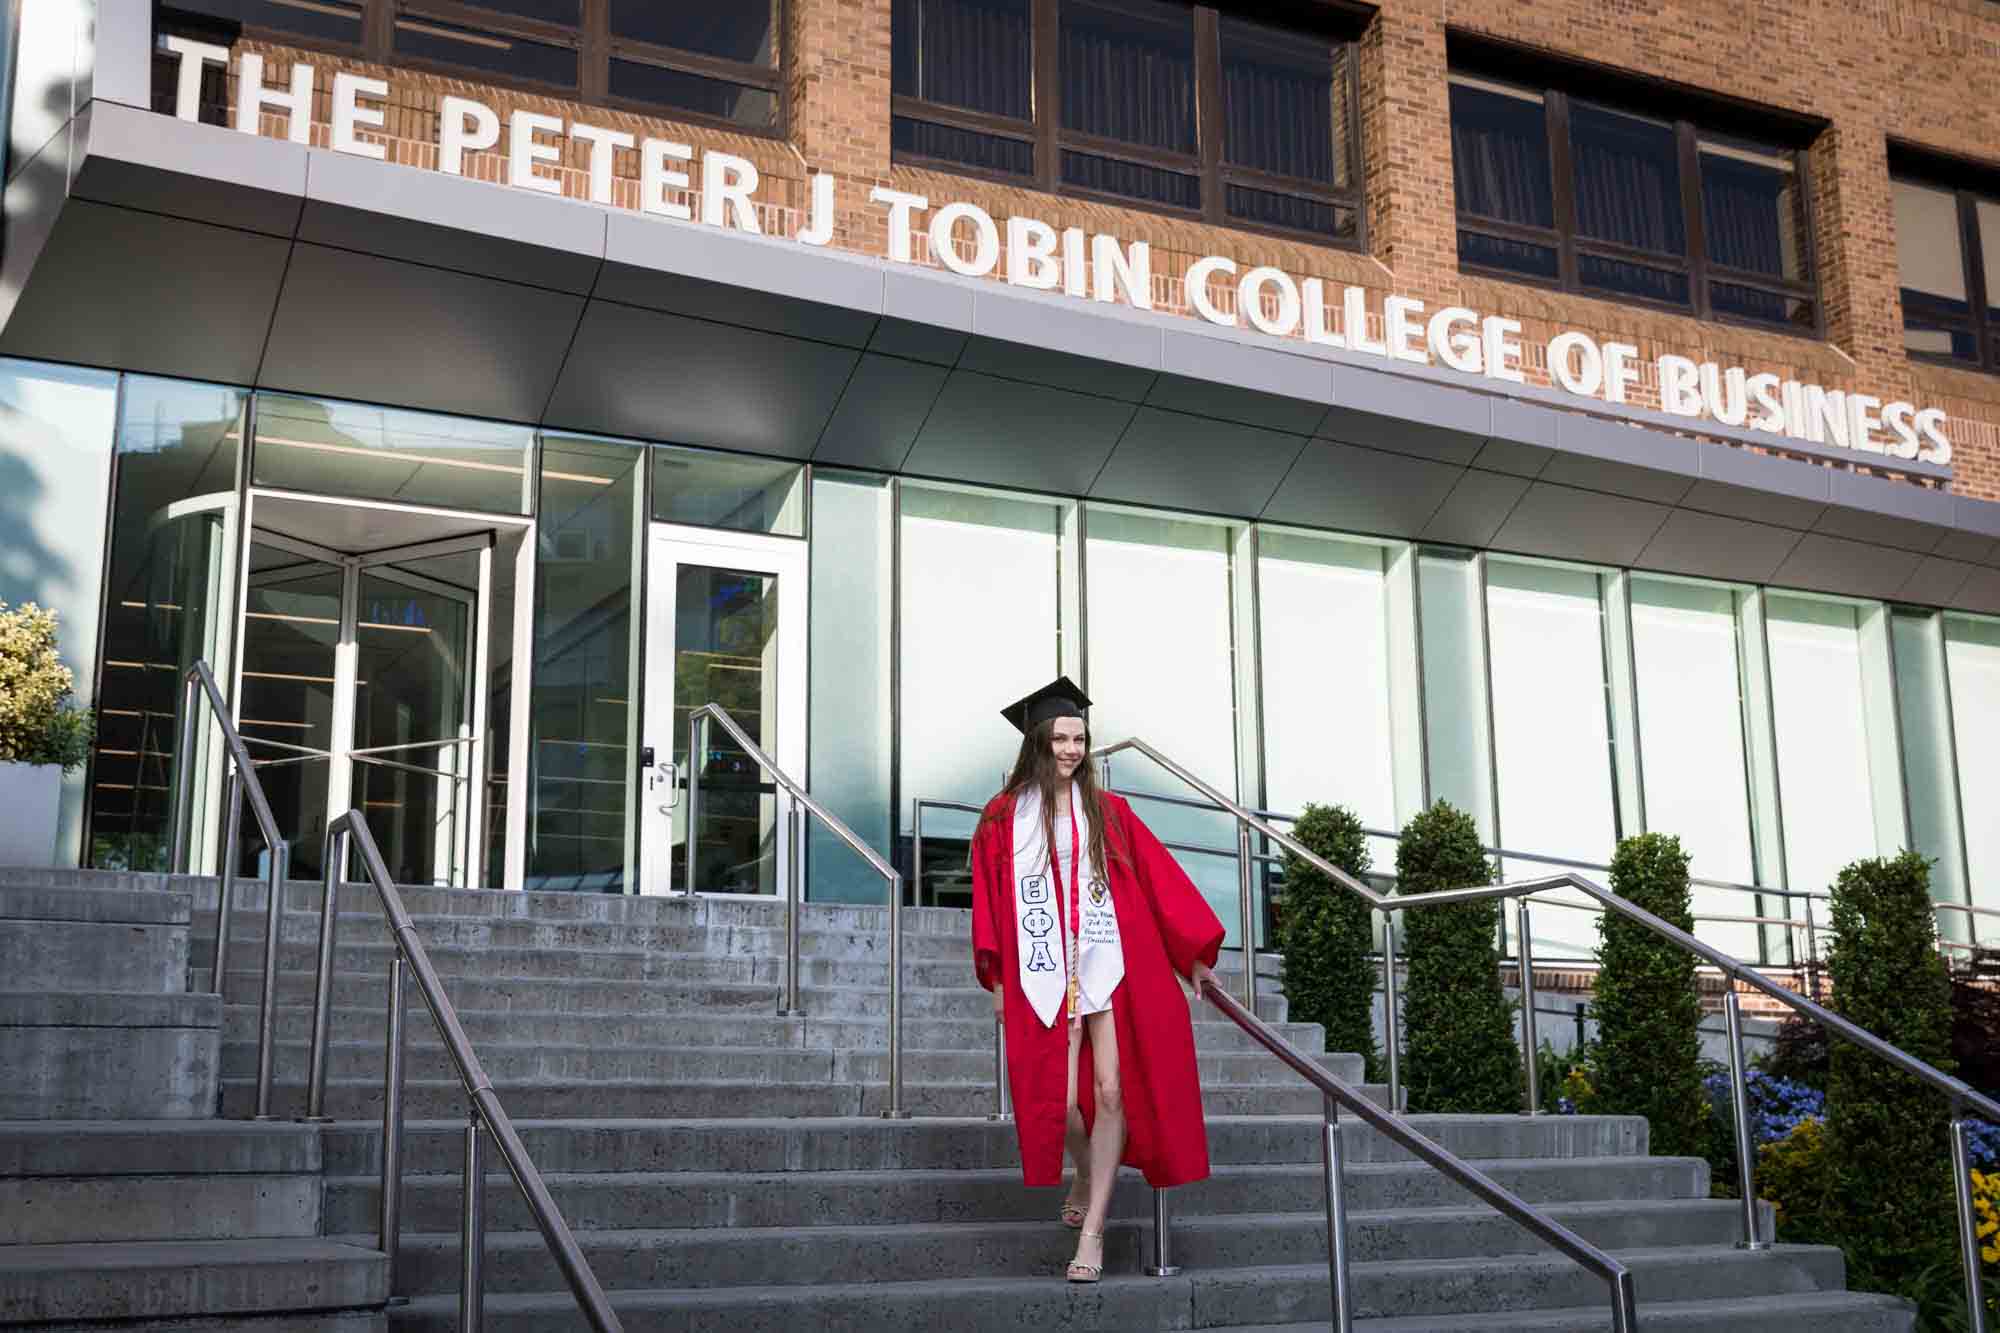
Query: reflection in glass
1817,702
1551,728
1930,262
1753,212
725,652
1923,715
739,104
969,53
734,491
1500,153
1628,180
1457,746
386,453
1692,758
514,56
849,712
291,626
587,562
1128,72
1282,111
746,30
164,588
1972,651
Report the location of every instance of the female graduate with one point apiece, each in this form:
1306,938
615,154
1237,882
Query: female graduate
1080,921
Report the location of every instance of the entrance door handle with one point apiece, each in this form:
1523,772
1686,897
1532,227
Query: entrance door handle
667,773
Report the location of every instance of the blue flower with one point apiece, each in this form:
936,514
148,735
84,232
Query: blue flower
1777,1106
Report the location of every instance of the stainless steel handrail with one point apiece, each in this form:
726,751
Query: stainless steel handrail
1624,1307
1965,1100
239,782
487,1117
788,1003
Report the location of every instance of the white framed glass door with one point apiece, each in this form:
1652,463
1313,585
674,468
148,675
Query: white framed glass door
725,624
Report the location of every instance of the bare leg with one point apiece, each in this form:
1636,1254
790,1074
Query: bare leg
1107,1135
1073,1135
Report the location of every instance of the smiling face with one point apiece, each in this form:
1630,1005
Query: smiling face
1067,743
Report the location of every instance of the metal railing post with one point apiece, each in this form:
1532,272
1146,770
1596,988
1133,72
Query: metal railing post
389,1227
225,892
472,1233
695,732
1968,1223
329,926
183,779
1333,1162
1524,953
1392,1022
895,1109
1000,1109
1246,906
1163,1264
1739,1085
917,847
788,1006
267,1000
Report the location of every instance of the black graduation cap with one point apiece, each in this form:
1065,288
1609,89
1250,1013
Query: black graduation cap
1059,698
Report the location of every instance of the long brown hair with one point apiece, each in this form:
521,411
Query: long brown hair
1035,766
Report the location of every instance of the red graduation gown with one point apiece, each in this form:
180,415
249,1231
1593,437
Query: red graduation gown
1164,925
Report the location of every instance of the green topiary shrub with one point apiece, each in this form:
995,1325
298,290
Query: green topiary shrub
1889,1190
1326,935
1648,1013
1458,1024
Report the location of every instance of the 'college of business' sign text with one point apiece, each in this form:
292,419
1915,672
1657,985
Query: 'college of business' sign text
1097,267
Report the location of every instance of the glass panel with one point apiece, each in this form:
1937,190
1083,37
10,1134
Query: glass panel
1924,720
1753,212
506,602
971,562
739,104
1290,211
385,453
745,30
969,148
1629,279
1551,729
1323,607
1110,175
1727,298
1502,252
329,20
1932,335
1282,106
850,713
291,626
1930,254
1986,215
1457,747
1128,72
163,590
413,661
1822,735
726,652
1972,652
1500,153
1685,657
731,491
1162,669
1628,180
57,425
542,11
516,57
587,561
970,53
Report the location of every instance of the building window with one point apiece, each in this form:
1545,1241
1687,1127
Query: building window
711,61
1945,240
1590,197
1169,105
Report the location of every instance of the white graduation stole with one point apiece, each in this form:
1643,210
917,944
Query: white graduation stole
1041,922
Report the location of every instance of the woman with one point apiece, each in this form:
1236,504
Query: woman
1080,921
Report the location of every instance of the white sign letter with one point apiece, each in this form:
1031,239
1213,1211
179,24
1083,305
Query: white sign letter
1196,283
1112,267
1896,420
1250,300
348,113
455,136
252,96
1317,328
1454,340
1031,254
901,206
1503,353
656,178
601,143
1584,378
820,230
1680,386
1619,371
1725,396
1770,413
1863,421
727,182
193,54
1403,335
1930,425
1354,321
985,240
524,150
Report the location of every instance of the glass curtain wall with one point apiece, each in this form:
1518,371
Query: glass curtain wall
1694,762
385,453
1819,706
1972,655
1552,749
1924,723
1458,745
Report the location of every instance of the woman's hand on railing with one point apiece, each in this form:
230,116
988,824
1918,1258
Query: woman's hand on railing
1200,974
999,1004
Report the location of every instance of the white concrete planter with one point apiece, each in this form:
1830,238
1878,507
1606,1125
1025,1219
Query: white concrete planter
30,795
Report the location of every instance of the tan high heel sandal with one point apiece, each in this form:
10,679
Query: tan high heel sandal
1072,1215
1082,1272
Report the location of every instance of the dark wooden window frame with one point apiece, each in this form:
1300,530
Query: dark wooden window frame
1951,177
591,39
1339,23
1559,88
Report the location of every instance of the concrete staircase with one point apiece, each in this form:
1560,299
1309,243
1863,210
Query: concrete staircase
724,1167
121,1198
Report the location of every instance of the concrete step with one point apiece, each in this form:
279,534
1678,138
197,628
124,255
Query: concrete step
660,1200
530,1060
867,1143
168,1279
348,1099
1212,1032
103,939
293,1321
1796,1312
116,1055
711,1257
1193,1300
